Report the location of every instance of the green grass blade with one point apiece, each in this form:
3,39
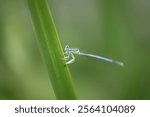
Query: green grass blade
51,49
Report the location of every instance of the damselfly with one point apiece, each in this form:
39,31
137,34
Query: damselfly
69,56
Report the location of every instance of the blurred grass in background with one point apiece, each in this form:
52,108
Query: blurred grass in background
116,29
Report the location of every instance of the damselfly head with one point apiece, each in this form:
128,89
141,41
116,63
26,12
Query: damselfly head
67,48
73,50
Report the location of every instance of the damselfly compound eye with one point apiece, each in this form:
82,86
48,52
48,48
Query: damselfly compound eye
66,48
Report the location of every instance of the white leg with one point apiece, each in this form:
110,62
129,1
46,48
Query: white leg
72,60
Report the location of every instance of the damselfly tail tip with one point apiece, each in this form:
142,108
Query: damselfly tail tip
120,63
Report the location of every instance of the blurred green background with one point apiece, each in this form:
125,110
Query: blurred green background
118,29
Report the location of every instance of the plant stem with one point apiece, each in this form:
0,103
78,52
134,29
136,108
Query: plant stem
51,49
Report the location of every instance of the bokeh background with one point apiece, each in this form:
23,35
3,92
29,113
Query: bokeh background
118,29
